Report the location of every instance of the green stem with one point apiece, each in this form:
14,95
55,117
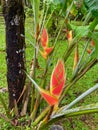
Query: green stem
45,72
88,59
41,116
45,120
87,18
80,60
36,105
36,23
44,19
49,18
69,50
86,68
68,11
35,5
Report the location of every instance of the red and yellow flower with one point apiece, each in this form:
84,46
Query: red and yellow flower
56,85
44,43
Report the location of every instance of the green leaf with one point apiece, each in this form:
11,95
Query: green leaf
36,4
82,31
91,108
83,95
92,6
57,5
88,109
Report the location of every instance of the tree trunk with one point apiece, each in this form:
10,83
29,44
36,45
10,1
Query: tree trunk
13,11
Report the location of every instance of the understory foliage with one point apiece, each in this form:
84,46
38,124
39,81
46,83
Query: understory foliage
43,98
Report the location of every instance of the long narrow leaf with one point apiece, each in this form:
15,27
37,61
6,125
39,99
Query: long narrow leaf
89,91
36,4
92,108
36,85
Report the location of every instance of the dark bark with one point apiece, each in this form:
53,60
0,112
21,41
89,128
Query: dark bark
27,3
13,11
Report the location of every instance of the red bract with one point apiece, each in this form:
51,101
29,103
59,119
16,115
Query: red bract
57,79
44,38
50,99
89,51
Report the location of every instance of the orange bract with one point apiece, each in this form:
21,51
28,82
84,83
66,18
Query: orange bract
50,99
44,54
57,79
69,35
76,57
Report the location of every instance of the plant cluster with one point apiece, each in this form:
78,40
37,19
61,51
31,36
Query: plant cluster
42,114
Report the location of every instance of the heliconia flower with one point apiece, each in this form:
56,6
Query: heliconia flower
56,85
44,38
44,42
46,52
57,79
69,36
92,45
50,99
89,51
76,57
